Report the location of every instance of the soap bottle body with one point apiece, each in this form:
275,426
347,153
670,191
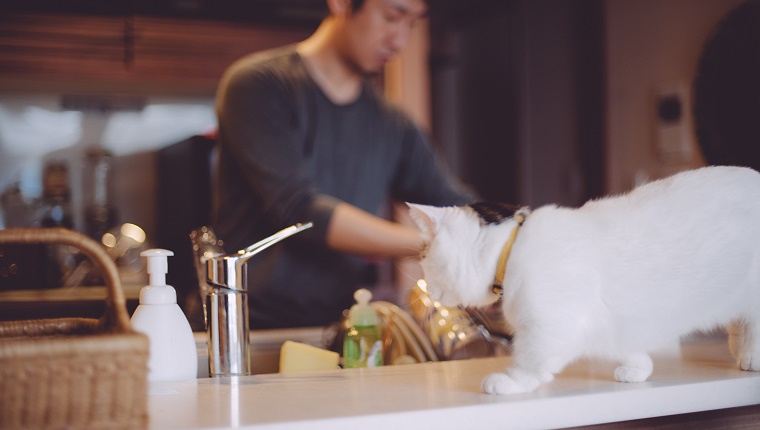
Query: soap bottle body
362,347
172,350
172,355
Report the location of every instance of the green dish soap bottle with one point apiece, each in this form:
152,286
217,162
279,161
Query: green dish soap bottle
362,346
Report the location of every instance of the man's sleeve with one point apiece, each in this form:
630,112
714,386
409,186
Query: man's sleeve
423,178
258,116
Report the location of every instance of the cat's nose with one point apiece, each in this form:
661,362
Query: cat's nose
449,300
436,295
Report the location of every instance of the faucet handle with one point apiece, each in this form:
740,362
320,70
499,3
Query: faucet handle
204,237
205,246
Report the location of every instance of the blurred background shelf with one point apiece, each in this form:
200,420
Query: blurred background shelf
78,302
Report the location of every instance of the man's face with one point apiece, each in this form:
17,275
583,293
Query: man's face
378,31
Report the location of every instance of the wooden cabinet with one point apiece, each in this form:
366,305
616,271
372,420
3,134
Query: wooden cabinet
130,53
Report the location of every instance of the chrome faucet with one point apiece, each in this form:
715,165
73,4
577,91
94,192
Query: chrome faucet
222,279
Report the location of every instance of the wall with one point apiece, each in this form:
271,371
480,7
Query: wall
650,44
561,70
517,99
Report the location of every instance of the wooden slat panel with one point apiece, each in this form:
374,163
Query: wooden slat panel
202,49
51,45
130,51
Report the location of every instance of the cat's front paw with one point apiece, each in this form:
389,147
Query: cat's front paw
502,383
631,374
635,368
749,360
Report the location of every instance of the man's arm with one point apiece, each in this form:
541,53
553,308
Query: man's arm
356,231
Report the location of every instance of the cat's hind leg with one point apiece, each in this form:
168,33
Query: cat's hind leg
744,341
634,368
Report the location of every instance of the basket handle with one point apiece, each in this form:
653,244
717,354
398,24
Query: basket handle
116,317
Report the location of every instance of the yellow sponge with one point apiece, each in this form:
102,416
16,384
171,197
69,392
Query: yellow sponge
300,357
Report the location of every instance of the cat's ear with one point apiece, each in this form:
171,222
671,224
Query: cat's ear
426,218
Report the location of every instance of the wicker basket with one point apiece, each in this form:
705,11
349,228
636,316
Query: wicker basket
73,372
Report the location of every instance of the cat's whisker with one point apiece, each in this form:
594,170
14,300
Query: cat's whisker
415,259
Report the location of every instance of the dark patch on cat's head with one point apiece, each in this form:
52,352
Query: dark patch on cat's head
494,212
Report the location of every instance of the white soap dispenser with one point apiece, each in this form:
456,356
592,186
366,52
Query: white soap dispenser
172,351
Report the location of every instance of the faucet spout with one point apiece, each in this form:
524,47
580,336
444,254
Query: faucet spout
245,254
228,271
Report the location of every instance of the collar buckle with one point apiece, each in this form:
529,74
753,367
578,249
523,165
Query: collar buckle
501,268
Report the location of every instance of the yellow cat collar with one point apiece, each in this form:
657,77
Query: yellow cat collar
501,268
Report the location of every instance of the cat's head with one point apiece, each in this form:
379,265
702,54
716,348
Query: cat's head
461,251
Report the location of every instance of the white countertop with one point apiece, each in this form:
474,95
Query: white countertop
699,375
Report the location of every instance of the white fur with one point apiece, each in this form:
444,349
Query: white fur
616,278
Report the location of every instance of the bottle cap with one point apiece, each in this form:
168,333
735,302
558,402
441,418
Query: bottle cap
362,313
157,292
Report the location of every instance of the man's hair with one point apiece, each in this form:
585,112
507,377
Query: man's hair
356,5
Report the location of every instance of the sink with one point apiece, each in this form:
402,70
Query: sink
265,347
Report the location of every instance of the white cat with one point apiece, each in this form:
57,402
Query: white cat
615,278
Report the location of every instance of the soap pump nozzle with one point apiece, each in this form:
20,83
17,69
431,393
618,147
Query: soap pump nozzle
157,292
362,313
157,265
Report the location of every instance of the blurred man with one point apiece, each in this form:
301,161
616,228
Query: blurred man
303,136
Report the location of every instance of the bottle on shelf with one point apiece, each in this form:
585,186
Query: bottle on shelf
55,205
